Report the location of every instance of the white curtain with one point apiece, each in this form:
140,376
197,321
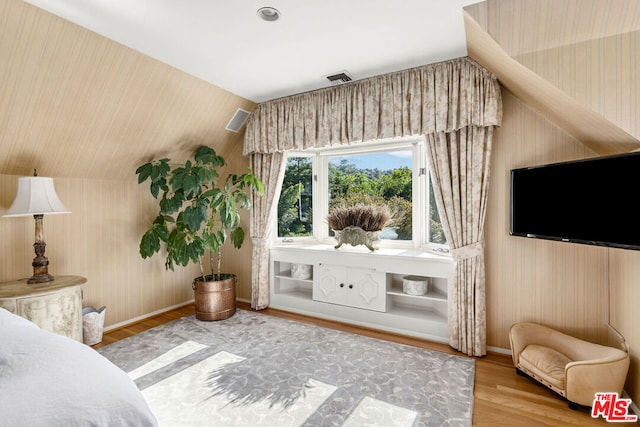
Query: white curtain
456,101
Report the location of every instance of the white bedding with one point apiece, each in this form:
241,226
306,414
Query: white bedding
50,380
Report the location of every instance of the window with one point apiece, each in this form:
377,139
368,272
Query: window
393,175
295,208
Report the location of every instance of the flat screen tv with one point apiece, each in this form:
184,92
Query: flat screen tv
593,201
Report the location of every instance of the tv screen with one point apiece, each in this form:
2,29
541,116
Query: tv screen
593,201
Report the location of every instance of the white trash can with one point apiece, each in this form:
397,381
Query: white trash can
92,325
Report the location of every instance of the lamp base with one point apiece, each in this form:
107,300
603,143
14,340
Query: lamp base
40,278
40,262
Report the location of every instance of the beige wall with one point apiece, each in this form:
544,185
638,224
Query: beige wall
99,240
575,288
558,284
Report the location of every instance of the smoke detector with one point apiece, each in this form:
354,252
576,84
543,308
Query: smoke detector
339,78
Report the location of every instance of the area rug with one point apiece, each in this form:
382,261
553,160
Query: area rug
258,370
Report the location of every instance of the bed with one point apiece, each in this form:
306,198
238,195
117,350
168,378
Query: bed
51,380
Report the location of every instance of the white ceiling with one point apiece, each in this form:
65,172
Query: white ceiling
225,43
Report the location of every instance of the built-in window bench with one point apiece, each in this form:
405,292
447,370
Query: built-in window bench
356,286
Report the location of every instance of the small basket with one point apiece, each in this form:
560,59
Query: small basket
415,285
301,271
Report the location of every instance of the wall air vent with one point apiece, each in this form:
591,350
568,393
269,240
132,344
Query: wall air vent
339,78
238,120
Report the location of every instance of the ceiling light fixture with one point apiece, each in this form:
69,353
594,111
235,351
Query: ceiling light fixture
269,13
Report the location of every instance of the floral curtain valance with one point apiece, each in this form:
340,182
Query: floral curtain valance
441,97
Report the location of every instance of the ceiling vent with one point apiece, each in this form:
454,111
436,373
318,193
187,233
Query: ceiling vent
340,78
238,120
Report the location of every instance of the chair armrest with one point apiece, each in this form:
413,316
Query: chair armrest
585,378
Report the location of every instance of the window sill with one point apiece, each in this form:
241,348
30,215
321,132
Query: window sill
412,253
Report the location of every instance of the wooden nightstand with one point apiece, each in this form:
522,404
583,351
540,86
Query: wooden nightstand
55,306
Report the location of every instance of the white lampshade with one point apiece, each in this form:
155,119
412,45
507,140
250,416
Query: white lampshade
36,195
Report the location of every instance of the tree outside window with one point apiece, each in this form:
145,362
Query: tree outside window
370,176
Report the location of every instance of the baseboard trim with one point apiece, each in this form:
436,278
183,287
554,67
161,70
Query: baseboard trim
499,350
145,316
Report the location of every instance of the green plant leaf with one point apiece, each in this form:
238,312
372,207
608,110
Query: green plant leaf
149,244
259,186
208,155
160,169
185,247
187,179
195,215
171,202
221,236
237,237
157,172
160,228
144,172
217,198
210,241
243,199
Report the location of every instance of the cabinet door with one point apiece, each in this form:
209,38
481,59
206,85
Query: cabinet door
59,312
330,284
354,287
366,288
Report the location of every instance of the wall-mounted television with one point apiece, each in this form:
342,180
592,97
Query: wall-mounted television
594,201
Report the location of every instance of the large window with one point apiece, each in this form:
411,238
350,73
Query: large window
391,175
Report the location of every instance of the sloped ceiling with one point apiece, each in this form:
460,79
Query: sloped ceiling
526,44
76,104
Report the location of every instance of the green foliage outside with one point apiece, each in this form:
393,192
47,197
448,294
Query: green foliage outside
295,207
350,185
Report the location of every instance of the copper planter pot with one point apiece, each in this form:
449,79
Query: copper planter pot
215,299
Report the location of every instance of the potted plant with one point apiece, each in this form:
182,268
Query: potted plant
358,224
199,213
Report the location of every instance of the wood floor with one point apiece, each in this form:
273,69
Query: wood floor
501,397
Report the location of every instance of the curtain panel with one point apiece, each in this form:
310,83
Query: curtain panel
459,165
269,168
455,104
441,97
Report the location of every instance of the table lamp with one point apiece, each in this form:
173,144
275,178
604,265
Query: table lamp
37,196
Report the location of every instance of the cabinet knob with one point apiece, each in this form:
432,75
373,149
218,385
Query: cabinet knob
350,286
342,285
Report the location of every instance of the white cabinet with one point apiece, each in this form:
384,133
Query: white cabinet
355,287
364,288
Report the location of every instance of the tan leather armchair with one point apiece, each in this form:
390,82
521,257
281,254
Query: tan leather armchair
573,368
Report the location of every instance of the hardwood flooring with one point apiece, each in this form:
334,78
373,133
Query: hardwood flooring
501,397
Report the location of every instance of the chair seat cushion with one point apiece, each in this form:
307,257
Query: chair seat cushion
545,363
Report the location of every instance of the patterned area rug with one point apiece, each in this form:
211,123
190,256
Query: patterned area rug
257,370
